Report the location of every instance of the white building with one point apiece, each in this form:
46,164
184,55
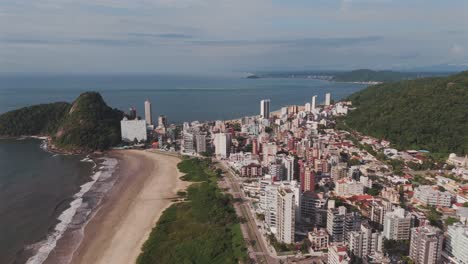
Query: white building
148,113
457,241
265,108
133,129
288,163
426,245
188,142
327,99
345,187
314,103
307,107
286,211
430,195
397,224
222,143
271,203
365,242
338,255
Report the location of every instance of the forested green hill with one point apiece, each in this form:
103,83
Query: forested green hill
430,113
87,124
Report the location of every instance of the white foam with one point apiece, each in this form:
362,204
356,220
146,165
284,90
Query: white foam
46,246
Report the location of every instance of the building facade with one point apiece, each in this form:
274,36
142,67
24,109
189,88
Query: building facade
148,114
133,129
285,224
426,245
265,108
397,225
457,243
222,143
430,195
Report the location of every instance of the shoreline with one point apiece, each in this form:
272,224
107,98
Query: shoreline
82,203
146,185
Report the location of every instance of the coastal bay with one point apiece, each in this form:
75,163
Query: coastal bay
146,185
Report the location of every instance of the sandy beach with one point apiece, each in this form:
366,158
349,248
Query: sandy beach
146,185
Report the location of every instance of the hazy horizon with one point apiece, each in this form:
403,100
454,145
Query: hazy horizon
222,36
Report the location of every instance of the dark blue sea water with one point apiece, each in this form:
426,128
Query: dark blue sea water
36,186
179,98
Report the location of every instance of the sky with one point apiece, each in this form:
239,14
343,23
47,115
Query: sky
214,36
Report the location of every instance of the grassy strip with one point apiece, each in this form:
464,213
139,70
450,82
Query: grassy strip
204,229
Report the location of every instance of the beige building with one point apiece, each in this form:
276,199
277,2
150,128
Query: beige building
285,224
426,245
318,239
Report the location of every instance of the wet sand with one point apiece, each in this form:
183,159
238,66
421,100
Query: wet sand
146,185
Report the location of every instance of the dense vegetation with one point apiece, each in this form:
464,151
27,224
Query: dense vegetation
87,124
202,229
41,119
364,75
361,75
430,113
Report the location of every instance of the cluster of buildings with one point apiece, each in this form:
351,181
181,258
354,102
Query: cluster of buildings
136,130
311,181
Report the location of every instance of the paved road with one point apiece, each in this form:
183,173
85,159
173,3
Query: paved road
261,254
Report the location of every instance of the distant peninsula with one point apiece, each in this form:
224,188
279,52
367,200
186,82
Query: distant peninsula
84,126
356,76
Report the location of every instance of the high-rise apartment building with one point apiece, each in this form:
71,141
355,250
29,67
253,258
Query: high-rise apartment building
327,99
426,245
457,241
222,143
148,114
397,224
336,222
285,224
307,179
314,103
265,108
365,242
288,164
200,140
271,203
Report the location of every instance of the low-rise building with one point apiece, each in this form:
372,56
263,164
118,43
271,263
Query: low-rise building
132,130
345,187
430,195
318,239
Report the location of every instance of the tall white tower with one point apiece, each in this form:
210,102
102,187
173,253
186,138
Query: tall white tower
314,99
148,112
327,99
265,108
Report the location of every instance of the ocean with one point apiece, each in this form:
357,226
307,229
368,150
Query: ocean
40,191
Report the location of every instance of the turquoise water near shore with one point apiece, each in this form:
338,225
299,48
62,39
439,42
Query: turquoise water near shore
37,186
